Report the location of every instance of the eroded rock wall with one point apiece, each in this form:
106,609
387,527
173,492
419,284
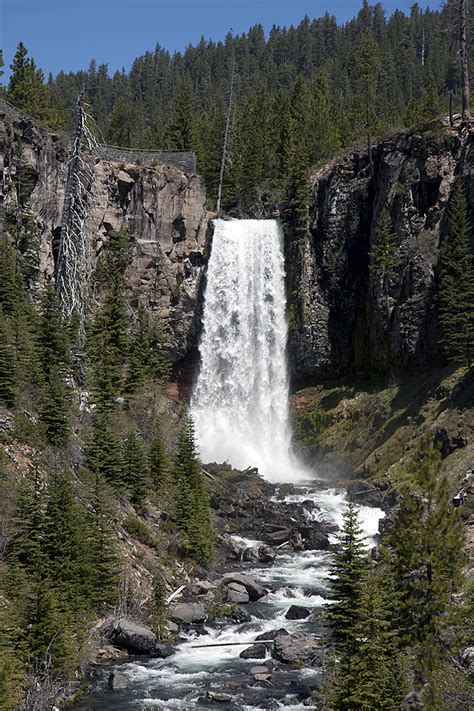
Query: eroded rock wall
162,208
341,318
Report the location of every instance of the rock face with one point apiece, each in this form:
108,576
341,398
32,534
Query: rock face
341,317
162,208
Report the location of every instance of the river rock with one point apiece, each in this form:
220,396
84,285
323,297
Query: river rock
259,670
219,697
297,612
162,651
129,635
271,634
203,587
237,593
240,615
256,651
297,649
317,540
254,589
188,612
266,554
276,538
117,680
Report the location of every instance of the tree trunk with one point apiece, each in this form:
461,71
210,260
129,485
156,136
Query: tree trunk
369,129
463,55
226,139
451,99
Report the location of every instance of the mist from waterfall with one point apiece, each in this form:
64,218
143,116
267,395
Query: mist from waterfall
240,400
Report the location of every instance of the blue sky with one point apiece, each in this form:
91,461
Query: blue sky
67,34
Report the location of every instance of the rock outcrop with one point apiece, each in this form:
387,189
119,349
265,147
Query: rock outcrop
340,316
162,208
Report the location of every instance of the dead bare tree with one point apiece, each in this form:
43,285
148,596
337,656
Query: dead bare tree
463,56
226,138
73,267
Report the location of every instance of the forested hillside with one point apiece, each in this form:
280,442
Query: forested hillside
300,94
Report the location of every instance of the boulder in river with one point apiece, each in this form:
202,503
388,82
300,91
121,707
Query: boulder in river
188,612
129,635
219,697
237,593
254,671
162,651
317,540
266,554
256,651
117,680
240,615
297,649
297,612
255,590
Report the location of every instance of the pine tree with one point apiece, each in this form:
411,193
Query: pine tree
326,132
367,59
103,555
456,287
64,543
157,606
52,334
126,124
348,566
428,540
158,465
136,473
193,513
371,672
27,91
183,126
103,454
8,372
55,407
383,262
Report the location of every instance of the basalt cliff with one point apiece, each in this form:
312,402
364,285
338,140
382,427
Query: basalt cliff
340,321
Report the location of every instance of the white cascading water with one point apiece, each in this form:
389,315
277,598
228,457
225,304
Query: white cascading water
240,401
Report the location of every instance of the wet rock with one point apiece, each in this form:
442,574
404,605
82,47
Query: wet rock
129,635
162,651
188,612
276,538
255,590
219,697
266,554
297,612
297,649
237,593
117,680
250,554
317,540
272,634
253,671
365,493
240,615
256,651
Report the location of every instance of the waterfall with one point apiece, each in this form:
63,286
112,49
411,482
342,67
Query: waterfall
240,400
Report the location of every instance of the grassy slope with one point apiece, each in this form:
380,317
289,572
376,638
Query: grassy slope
364,428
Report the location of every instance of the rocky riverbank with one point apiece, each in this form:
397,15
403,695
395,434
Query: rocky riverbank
247,633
